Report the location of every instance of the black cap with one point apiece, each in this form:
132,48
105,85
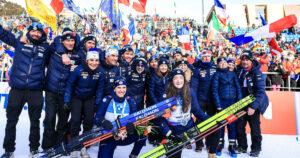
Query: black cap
176,72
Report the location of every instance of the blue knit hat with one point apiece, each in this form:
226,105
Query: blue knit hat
119,81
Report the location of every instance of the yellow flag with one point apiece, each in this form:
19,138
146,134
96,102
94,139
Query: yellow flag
37,9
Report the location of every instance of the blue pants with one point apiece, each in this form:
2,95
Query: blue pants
230,127
107,149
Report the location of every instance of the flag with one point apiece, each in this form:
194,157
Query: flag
220,11
131,27
195,43
57,6
137,5
263,21
266,31
214,27
9,53
71,6
275,50
110,8
37,9
184,38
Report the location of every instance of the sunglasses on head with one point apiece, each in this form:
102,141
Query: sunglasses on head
36,25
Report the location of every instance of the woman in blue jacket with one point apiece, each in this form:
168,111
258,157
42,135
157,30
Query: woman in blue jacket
79,95
111,107
187,104
159,81
226,91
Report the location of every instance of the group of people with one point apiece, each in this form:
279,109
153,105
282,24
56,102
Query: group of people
87,86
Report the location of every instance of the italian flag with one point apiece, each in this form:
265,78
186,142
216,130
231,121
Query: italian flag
214,28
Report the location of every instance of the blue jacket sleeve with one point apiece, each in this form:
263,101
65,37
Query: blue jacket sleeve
71,84
215,90
99,117
196,108
259,90
8,38
152,90
238,88
195,81
132,105
100,89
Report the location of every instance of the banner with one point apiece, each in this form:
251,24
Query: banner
37,9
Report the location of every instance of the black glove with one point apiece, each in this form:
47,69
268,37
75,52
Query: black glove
174,138
130,128
107,125
67,106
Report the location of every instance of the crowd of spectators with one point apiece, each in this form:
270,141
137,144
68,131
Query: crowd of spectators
156,36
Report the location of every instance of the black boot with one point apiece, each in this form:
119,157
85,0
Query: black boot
232,148
220,147
8,155
254,153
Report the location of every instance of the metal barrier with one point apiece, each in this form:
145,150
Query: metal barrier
289,88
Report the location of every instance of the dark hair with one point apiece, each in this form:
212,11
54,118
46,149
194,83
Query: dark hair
173,91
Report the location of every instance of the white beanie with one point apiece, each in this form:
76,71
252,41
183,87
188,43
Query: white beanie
92,55
110,51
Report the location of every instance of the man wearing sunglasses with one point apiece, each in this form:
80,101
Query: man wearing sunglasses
26,82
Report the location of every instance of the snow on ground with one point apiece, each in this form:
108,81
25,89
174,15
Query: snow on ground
274,146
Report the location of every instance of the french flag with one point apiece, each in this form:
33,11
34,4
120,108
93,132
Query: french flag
184,38
275,50
220,11
266,31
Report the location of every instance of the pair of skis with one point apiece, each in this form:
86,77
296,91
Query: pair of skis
161,109
203,129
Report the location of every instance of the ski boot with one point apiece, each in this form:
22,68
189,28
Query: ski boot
241,150
34,154
220,147
232,148
254,153
199,146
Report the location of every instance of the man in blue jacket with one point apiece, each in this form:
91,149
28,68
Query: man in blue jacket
111,70
26,81
57,74
201,85
252,82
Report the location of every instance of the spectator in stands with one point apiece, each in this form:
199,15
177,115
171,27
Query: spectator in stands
276,79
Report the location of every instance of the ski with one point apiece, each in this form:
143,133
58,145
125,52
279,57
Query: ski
99,134
203,129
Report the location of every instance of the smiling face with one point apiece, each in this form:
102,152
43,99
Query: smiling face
112,59
89,44
128,56
140,68
163,68
178,81
93,63
69,44
35,34
121,91
223,64
246,63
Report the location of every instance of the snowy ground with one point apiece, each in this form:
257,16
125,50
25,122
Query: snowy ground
274,146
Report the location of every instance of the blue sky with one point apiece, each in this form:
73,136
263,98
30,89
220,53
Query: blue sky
188,8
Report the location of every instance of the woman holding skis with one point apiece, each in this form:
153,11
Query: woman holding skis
187,104
112,107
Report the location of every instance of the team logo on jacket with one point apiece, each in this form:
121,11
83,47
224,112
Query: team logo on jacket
96,76
202,73
212,71
84,75
40,55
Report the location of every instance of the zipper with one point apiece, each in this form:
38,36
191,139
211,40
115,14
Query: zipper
30,66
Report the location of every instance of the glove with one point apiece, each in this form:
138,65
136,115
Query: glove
174,138
67,106
130,128
219,110
107,125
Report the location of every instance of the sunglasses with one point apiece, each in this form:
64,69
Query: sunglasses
36,25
